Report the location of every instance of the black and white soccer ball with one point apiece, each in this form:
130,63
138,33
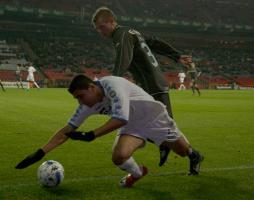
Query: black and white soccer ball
50,173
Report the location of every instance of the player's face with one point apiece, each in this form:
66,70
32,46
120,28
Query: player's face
105,27
86,97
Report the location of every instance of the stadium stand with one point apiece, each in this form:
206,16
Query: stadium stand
59,39
245,81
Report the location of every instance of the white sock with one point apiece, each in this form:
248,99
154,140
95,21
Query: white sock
132,167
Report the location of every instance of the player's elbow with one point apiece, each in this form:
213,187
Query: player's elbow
123,122
119,122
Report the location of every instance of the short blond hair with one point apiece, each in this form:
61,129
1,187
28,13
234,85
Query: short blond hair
103,12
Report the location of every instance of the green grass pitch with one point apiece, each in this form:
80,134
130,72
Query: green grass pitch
220,124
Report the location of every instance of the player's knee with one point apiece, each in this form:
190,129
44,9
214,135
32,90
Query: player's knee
182,152
117,160
119,157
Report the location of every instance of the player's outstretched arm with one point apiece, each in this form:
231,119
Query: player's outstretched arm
111,125
31,159
108,127
55,141
162,47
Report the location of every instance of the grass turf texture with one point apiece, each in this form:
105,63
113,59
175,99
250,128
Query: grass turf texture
219,124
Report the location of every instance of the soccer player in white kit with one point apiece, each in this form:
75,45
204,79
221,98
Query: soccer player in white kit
133,111
181,76
30,77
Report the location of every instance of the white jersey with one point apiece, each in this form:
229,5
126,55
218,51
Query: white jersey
30,76
120,101
181,76
126,101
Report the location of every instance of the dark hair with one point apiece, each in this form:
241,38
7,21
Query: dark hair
104,12
79,82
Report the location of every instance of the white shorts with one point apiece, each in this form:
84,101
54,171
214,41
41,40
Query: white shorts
30,78
162,128
181,80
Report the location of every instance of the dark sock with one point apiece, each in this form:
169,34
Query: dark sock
193,154
198,90
2,87
193,90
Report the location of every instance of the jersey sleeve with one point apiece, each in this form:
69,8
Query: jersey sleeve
32,69
124,53
162,47
118,94
81,113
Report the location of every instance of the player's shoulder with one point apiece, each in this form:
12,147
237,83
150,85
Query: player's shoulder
113,82
129,30
80,110
111,79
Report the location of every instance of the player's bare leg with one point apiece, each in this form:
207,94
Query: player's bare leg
123,149
36,84
182,87
28,85
183,148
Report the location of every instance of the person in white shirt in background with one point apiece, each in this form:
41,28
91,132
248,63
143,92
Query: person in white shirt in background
30,77
181,76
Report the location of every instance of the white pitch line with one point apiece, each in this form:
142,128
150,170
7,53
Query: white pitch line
91,178
241,167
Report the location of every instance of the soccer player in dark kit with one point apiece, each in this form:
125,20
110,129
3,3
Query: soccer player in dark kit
2,86
134,54
194,73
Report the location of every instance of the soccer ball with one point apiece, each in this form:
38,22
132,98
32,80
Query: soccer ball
50,173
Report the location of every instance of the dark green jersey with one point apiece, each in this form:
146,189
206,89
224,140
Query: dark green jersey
134,55
193,71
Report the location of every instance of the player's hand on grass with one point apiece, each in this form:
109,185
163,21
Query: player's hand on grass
78,135
31,159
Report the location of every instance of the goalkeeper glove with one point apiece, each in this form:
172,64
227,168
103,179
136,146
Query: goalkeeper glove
31,159
78,135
